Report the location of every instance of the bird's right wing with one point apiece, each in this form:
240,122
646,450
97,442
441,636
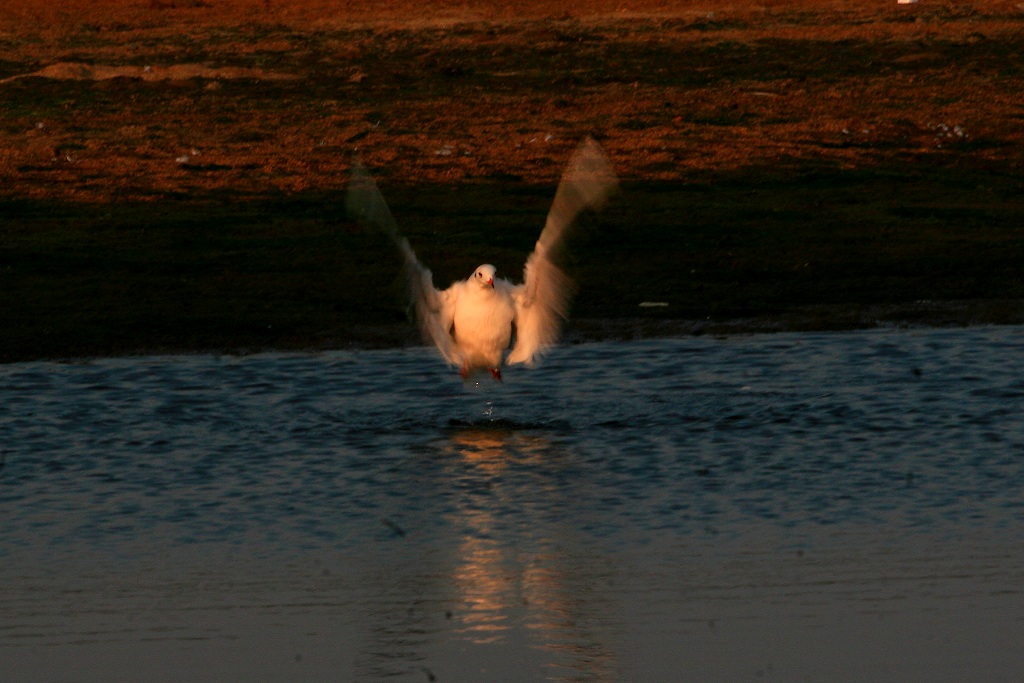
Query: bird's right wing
434,309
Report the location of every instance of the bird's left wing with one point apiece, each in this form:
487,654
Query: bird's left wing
542,301
433,308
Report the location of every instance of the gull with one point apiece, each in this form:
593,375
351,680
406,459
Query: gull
483,322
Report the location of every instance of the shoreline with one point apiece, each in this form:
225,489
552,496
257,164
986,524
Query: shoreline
808,319
173,174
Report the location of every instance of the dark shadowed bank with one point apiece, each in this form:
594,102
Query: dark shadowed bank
836,250
783,168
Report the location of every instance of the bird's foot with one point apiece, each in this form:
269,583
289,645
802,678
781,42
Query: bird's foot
496,373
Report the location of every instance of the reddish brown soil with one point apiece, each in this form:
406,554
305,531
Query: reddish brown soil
172,172
904,76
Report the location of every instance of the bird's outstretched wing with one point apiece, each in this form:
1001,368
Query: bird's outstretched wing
433,308
542,301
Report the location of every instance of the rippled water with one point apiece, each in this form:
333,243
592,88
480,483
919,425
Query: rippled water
769,507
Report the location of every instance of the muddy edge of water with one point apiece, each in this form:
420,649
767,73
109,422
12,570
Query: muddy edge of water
803,168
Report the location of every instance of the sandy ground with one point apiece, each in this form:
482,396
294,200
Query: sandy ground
899,120
467,98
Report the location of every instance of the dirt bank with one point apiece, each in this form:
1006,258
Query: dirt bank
172,171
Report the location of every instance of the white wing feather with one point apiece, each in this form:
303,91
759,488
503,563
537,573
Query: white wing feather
434,309
542,301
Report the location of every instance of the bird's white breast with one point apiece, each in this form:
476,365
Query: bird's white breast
483,323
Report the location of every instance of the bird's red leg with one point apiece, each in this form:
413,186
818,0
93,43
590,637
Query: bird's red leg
463,372
496,373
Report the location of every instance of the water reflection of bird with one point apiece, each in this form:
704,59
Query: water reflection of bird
481,444
472,322
516,575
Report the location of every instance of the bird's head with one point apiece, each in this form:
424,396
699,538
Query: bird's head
484,275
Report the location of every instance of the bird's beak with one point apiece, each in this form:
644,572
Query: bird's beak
490,282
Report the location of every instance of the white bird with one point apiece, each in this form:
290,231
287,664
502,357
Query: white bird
474,321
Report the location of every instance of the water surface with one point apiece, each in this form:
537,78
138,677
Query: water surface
820,507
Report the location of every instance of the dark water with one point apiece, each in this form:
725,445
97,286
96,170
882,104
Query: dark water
820,507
